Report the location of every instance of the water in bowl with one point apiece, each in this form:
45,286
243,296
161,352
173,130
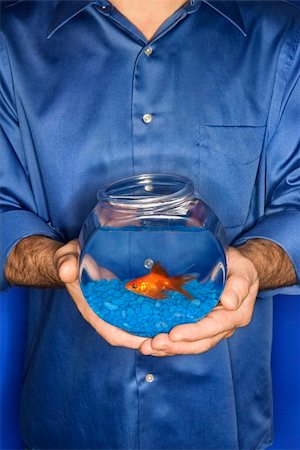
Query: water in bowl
112,257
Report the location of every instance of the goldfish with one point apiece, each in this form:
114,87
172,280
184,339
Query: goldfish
157,281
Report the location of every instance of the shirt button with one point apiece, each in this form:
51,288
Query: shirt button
148,51
149,377
147,118
104,7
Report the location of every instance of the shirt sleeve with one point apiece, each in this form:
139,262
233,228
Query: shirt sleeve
18,212
281,221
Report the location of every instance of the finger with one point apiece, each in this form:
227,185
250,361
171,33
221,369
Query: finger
66,261
197,347
117,337
157,354
236,290
147,349
157,346
70,247
217,322
161,342
247,307
241,276
67,267
185,348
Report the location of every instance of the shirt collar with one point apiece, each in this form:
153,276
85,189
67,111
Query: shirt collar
66,10
230,10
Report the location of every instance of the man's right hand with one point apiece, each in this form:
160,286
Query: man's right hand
66,263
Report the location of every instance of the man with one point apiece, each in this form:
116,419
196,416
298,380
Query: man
92,92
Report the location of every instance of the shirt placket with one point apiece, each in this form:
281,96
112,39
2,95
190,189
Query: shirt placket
149,371
146,120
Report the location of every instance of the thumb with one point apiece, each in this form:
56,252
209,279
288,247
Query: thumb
236,290
67,267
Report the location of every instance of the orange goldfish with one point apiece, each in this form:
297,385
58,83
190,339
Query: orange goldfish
159,280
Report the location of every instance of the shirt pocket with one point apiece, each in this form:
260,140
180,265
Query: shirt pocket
229,158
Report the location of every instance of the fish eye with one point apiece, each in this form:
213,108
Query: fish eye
134,286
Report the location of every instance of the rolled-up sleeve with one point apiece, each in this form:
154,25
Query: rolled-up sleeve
281,221
18,212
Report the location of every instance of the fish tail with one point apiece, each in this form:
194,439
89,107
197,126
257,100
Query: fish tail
178,281
185,293
183,279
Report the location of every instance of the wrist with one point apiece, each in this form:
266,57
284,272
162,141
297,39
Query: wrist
248,250
31,263
273,265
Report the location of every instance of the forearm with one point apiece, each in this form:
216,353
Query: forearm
31,263
272,263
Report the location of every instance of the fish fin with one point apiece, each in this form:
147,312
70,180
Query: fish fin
182,291
161,296
159,270
185,293
183,278
178,281
158,296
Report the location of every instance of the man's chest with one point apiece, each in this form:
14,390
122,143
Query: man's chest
101,104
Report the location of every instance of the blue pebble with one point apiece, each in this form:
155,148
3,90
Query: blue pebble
145,308
110,306
130,312
144,316
161,325
196,302
118,301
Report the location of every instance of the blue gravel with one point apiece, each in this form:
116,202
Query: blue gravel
144,316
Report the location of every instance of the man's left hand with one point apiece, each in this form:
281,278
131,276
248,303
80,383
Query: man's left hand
235,311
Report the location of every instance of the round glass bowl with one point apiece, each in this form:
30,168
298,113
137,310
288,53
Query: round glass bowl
152,254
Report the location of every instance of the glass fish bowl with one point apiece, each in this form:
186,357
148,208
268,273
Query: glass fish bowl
152,254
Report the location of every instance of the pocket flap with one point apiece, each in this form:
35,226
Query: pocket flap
229,158
242,144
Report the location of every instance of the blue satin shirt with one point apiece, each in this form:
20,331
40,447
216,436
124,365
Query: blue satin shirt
221,83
